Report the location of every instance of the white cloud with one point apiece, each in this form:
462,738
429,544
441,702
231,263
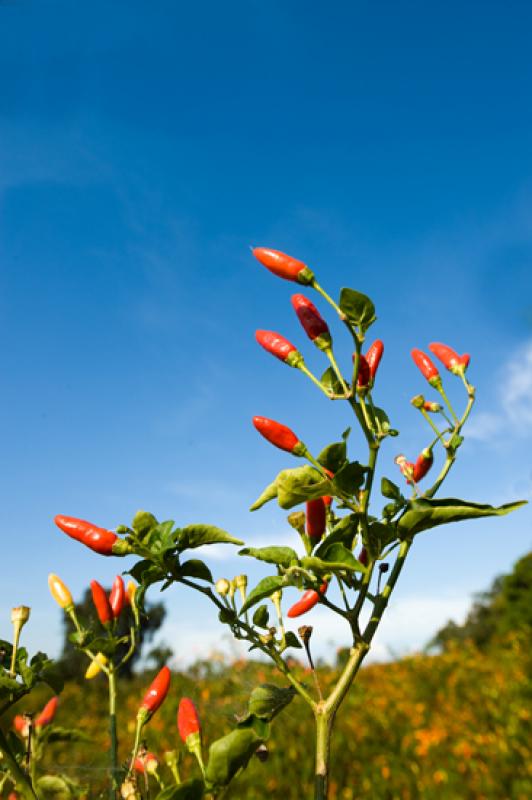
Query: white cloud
514,407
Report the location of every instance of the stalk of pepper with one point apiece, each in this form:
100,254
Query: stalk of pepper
279,435
316,519
284,266
279,347
307,601
373,358
60,592
101,604
47,714
426,367
117,596
100,540
450,358
423,463
313,323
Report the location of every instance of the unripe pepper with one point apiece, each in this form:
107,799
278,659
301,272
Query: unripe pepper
310,318
291,269
449,357
307,601
279,435
316,519
95,667
423,464
47,714
100,540
117,596
373,358
60,592
101,603
426,367
155,695
279,347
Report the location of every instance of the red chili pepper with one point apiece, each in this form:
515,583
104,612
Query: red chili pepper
156,694
279,347
423,464
310,318
100,540
279,435
117,596
432,407
291,269
363,557
450,358
425,366
465,359
316,518
188,722
328,499
47,714
307,601
373,357
21,725
406,467
148,762
364,372
101,603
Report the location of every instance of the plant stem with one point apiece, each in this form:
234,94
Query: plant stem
323,751
113,753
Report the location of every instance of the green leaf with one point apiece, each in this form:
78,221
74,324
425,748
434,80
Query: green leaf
227,616
268,700
337,555
350,478
194,568
382,417
291,640
193,789
358,308
391,490
344,532
261,617
55,733
146,573
52,787
262,590
282,556
197,535
228,755
333,456
297,485
424,514
378,537
143,523
330,382
268,494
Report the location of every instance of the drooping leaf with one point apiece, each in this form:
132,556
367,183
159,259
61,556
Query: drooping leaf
358,308
382,417
333,456
378,537
265,588
145,572
298,485
143,523
268,700
329,381
193,789
268,494
228,755
423,514
56,733
197,535
291,640
391,490
350,478
194,568
334,558
261,617
282,556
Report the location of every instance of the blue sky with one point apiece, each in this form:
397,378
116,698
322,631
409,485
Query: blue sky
143,148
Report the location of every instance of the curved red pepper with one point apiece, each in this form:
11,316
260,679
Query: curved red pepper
310,318
449,357
282,265
278,435
278,346
157,692
423,463
117,597
364,372
373,357
101,603
316,518
47,714
100,540
307,601
425,366
188,722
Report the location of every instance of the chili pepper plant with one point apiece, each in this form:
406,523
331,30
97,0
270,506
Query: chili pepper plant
354,535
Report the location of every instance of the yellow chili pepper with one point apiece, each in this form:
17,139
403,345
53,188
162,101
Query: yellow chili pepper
95,666
60,592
